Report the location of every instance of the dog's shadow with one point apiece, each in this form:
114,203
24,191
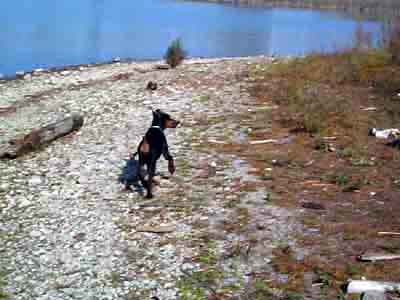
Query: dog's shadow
130,176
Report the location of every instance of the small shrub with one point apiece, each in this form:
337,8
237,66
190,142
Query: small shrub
175,54
339,179
391,40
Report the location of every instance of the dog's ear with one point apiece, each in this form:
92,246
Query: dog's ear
156,113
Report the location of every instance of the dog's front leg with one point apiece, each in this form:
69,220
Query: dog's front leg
151,173
168,156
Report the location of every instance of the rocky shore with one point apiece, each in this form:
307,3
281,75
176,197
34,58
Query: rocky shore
68,230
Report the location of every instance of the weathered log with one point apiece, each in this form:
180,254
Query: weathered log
363,286
40,137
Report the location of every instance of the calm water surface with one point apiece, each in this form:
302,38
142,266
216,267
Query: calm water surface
49,33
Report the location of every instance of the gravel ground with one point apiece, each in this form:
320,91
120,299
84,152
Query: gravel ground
68,230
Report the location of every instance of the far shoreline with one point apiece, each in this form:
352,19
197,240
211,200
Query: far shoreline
372,10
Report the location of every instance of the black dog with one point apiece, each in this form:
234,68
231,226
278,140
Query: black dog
153,144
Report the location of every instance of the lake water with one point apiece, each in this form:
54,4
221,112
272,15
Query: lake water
49,33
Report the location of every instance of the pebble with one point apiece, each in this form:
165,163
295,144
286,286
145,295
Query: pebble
35,180
25,203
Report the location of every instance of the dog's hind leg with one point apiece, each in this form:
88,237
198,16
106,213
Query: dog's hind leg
141,172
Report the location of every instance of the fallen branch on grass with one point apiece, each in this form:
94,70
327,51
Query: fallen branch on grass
40,137
317,183
377,257
216,142
264,142
281,141
389,233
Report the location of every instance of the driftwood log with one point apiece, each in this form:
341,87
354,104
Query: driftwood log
40,137
363,286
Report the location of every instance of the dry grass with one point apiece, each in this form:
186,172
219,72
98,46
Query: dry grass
320,90
319,102
323,95
318,97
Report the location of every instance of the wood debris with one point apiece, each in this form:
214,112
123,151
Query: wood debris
156,229
389,233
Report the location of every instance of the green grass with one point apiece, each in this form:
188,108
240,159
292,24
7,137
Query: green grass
3,294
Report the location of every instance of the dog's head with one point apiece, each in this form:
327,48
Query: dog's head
163,120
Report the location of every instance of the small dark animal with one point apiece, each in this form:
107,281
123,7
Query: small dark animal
153,144
151,86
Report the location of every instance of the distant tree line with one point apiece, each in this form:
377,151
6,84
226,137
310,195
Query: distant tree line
362,8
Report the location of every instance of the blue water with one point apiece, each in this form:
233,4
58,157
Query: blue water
53,33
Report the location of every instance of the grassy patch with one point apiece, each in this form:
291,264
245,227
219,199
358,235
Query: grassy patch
115,279
320,91
3,294
202,99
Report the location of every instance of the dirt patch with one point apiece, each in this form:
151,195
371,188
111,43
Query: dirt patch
306,137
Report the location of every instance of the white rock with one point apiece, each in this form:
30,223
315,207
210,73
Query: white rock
65,73
4,187
36,233
169,285
25,202
35,180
